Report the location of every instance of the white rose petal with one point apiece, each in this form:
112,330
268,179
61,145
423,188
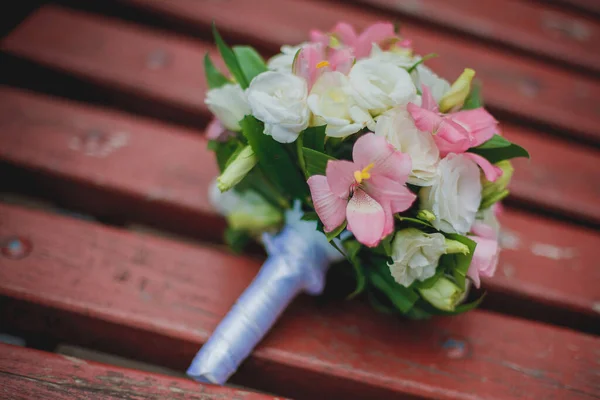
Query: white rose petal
228,103
283,61
279,100
455,195
331,103
398,127
379,86
416,255
423,75
401,59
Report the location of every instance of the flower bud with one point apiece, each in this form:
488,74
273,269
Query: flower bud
456,247
426,215
444,294
493,192
237,169
460,89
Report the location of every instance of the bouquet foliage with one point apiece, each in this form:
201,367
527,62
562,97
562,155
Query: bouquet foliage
402,171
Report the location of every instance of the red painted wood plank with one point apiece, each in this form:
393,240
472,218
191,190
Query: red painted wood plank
515,85
180,292
589,6
63,40
113,165
536,28
141,64
94,146
31,374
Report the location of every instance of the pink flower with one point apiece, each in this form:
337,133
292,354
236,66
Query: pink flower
485,259
366,192
315,58
456,132
216,131
378,33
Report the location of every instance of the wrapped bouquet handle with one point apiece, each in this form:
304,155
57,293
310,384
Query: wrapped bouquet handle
299,257
402,167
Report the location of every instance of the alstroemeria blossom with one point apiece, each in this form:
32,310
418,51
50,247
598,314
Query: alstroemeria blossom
283,61
279,100
332,104
366,192
397,126
344,34
315,59
456,132
228,103
455,195
379,86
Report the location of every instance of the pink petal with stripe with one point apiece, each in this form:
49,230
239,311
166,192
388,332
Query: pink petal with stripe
329,207
340,176
366,218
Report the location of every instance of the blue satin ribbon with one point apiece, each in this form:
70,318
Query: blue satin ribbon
298,259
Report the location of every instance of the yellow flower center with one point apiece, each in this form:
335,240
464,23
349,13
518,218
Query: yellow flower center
322,64
360,176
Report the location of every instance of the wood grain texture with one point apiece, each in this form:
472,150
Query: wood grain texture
116,54
115,166
535,28
180,292
27,374
161,71
514,85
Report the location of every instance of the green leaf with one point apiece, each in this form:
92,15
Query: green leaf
418,313
214,77
378,305
250,61
274,160
236,240
421,61
413,221
474,99
223,151
316,162
230,59
314,138
429,282
401,297
498,148
461,261
352,248
336,232
310,216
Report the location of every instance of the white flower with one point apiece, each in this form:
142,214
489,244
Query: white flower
283,61
279,100
331,103
423,75
379,86
228,103
398,127
399,58
416,255
455,195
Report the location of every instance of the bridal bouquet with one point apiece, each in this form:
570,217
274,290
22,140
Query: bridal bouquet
348,147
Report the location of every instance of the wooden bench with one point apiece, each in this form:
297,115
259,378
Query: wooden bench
104,115
28,374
